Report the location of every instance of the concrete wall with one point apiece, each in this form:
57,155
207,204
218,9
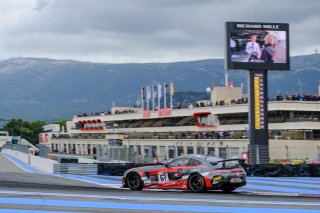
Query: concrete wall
226,93
42,164
87,160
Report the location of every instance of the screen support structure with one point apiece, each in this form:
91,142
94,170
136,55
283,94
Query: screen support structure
258,116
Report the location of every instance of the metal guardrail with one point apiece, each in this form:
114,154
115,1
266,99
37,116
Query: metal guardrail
76,169
16,147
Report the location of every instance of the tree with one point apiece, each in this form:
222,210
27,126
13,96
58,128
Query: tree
62,123
25,129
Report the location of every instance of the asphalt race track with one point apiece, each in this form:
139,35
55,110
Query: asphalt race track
24,189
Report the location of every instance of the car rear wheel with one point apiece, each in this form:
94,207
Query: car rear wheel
196,183
228,189
134,181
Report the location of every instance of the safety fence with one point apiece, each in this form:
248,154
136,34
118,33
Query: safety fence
76,169
16,147
291,152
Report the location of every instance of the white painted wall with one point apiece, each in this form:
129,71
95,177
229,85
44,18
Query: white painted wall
86,160
43,164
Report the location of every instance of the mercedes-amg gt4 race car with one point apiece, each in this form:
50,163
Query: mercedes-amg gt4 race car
191,172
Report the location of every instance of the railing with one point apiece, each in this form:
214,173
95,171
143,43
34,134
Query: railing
76,169
16,147
283,152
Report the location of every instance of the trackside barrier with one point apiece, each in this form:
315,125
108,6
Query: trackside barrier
43,164
288,170
76,169
117,169
260,170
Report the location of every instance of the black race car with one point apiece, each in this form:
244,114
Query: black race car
196,173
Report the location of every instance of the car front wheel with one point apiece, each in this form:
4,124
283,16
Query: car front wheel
134,181
196,183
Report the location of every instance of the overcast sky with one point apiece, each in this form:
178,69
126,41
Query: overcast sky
117,31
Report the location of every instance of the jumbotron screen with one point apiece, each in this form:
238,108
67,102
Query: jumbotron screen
257,46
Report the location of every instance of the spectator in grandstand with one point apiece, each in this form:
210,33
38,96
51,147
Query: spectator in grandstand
190,106
304,97
183,135
279,97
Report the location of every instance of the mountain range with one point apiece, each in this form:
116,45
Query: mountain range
51,90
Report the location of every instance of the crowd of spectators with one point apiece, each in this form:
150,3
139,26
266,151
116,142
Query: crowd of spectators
84,114
210,104
279,97
215,134
297,97
60,136
124,111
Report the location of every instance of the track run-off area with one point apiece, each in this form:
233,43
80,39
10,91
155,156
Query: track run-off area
26,189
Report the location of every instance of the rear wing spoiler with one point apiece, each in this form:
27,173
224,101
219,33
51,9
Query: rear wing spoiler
240,160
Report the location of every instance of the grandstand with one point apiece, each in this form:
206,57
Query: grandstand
220,129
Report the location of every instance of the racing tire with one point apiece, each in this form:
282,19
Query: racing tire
134,182
227,190
196,183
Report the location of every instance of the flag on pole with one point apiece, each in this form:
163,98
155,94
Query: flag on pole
154,94
148,92
142,93
159,90
142,97
165,95
155,91
171,89
159,96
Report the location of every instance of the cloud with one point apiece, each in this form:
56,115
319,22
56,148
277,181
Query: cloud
143,30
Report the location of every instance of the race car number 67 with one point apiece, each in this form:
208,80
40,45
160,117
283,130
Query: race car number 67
162,177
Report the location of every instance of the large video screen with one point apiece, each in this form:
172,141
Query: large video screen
257,46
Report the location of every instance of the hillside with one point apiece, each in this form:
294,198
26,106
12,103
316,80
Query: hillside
46,89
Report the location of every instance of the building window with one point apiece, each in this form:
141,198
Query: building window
223,152
154,151
211,151
139,149
180,150
200,150
234,152
171,152
190,150
163,154
89,149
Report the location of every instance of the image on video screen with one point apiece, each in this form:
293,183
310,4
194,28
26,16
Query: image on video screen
258,46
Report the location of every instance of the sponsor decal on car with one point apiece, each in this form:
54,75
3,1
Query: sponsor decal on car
217,178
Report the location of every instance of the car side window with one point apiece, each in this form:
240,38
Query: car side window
179,162
194,162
